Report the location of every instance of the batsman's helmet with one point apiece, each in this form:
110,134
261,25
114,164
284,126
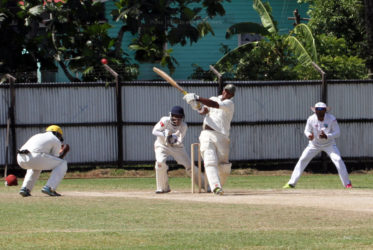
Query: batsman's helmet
177,110
55,128
230,88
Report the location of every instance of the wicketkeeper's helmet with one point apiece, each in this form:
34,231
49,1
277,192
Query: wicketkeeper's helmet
177,110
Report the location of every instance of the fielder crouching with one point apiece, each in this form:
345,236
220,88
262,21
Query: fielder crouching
170,132
43,151
214,138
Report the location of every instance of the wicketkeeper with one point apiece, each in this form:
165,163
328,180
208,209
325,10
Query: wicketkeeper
43,151
321,130
214,138
170,132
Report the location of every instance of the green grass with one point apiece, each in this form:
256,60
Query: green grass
68,222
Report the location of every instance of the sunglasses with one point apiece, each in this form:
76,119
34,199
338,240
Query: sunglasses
320,109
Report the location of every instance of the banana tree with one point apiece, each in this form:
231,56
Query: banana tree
302,43
268,29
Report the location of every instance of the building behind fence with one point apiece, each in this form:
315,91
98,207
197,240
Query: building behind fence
267,126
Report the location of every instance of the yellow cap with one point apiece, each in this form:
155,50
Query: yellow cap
55,128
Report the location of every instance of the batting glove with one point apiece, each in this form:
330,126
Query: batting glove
190,97
195,105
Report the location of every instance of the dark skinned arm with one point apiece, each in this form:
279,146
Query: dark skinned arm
65,148
208,102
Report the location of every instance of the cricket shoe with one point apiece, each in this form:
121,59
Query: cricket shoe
49,191
287,186
349,185
218,191
163,191
25,192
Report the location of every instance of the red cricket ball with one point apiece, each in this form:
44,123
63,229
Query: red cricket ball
104,61
11,180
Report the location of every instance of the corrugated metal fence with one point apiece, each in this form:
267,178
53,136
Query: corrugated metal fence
268,122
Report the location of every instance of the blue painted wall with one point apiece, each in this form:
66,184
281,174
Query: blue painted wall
206,51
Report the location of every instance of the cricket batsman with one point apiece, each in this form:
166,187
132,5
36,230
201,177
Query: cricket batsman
214,138
321,130
43,151
170,132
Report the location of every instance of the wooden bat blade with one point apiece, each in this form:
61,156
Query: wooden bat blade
169,79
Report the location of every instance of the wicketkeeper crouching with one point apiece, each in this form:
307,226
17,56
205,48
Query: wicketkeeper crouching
170,132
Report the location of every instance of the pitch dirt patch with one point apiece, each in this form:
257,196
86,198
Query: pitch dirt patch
347,200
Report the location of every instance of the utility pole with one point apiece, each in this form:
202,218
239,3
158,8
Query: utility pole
297,18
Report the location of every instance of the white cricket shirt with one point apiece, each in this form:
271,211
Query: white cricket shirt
220,118
43,143
329,125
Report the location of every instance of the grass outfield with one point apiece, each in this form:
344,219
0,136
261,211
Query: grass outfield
102,214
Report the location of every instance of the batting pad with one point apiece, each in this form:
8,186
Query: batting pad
224,172
161,176
213,177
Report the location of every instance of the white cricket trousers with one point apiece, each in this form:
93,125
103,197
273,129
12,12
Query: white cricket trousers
215,153
310,152
36,162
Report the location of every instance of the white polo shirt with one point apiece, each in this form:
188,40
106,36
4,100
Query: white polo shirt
329,125
220,118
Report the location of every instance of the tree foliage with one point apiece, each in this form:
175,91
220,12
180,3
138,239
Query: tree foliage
74,36
342,19
69,34
155,24
281,57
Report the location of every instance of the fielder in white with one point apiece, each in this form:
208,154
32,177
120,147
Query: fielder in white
43,151
170,132
214,138
321,130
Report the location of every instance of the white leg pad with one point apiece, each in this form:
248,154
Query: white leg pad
224,172
211,167
213,177
161,177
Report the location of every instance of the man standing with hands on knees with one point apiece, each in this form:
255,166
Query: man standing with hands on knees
43,151
214,138
321,130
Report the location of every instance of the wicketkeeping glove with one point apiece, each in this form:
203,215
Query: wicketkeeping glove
172,139
166,133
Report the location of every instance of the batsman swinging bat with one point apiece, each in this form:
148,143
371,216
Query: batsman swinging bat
168,78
